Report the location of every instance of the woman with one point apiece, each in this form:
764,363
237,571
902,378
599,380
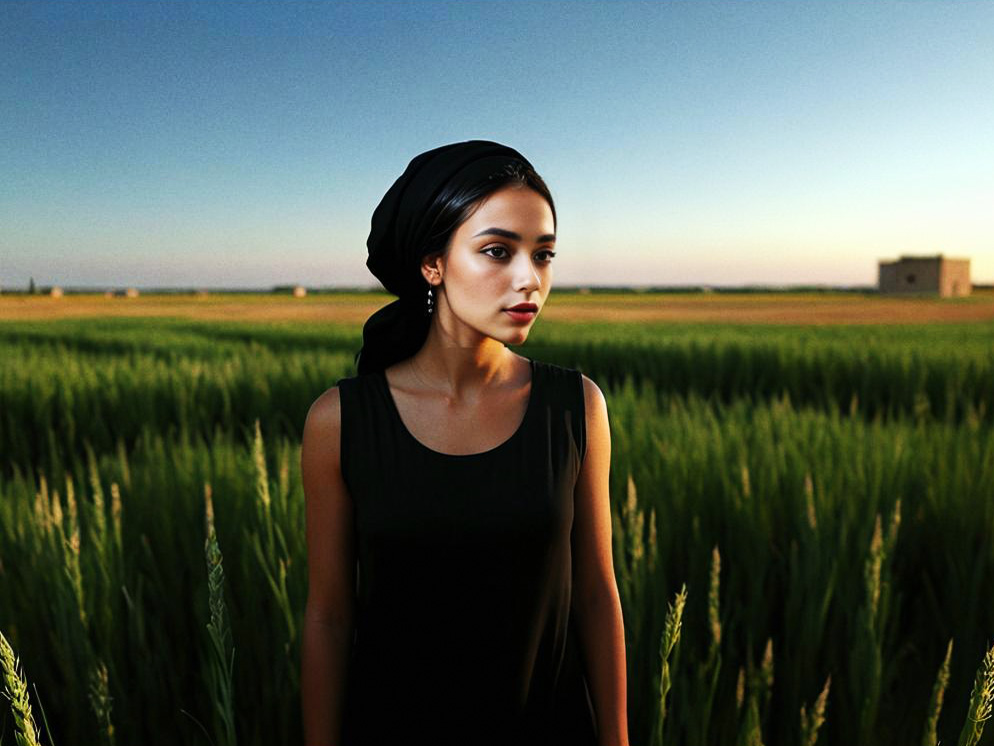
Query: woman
470,483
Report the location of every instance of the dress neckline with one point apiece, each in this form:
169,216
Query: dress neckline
381,375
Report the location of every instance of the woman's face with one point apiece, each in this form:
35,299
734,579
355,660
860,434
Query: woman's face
501,256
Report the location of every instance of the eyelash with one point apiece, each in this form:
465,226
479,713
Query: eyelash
498,246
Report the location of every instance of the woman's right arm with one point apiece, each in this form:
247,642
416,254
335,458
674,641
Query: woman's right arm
329,616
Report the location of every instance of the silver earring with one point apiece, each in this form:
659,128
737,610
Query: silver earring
431,303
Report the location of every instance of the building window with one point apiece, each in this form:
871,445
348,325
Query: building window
911,279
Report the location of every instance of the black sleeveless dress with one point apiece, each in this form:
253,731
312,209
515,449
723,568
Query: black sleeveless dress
463,629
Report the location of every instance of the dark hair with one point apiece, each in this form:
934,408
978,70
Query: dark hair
458,200
403,328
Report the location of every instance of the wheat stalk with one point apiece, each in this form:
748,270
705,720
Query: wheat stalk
222,658
100,701
714,616
930,736
810,724
669,642
981,702
16,690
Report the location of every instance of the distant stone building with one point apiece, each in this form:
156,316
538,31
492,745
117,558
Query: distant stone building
55,292
299,291
949,278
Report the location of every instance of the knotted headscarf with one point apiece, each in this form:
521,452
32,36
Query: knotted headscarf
401,228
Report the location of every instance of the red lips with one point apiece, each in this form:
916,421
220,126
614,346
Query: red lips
523,307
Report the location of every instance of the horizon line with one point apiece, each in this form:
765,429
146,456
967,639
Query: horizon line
41,288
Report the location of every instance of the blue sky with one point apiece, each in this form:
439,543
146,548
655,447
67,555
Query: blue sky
246,144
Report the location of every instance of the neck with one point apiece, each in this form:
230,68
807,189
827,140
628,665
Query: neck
445,366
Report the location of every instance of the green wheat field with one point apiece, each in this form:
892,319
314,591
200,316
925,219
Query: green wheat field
803,527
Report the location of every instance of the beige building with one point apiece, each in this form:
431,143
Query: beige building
949,278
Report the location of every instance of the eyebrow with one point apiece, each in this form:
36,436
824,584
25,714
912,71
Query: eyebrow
512,235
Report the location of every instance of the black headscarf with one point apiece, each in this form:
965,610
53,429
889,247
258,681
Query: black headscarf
402,224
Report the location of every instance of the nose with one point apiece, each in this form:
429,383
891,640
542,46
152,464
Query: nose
526,276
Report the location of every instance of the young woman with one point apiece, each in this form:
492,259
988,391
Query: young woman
468,483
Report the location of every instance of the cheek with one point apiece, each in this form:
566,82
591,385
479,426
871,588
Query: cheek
475,286
477,276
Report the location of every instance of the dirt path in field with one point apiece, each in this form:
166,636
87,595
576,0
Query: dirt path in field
355,309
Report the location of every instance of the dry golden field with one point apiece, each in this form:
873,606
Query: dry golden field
744,308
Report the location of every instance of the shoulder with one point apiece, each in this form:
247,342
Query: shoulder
594,401
326,413
593,398
322,428
594,434
597,427
326,409
594,409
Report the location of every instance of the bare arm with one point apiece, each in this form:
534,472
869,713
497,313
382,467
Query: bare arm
596,601
329,616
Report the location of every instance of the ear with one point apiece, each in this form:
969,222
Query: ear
433,267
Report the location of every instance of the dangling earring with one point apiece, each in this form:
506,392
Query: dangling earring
431,301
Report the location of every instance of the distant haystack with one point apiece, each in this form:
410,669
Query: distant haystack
299,291
949,278
108,293
201,293
55,292
131,293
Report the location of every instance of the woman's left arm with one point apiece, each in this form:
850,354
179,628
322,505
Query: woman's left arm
596,602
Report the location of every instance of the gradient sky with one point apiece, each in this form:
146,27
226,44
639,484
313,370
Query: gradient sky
232,145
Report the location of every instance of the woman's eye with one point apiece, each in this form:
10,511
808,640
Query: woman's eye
501,248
